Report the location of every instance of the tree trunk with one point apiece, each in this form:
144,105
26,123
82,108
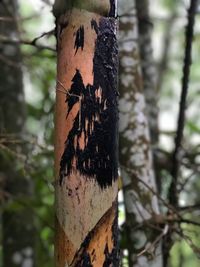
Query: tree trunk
86,139
148,67
135,153
149,80
17,224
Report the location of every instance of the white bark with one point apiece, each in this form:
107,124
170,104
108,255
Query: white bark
135,151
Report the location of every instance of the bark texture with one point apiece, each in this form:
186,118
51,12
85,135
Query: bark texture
135,151
86,135
17,224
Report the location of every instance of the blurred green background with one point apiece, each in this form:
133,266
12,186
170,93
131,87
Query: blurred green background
168,19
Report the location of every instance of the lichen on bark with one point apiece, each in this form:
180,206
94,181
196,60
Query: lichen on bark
135,148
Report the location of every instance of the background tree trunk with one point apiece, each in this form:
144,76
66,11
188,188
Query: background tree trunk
148,68
135,152
17,222
149,73
86,134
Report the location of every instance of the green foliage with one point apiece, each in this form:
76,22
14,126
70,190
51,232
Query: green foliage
39,67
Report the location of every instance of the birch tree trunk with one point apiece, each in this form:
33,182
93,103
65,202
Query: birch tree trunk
135,152
18,232
86,139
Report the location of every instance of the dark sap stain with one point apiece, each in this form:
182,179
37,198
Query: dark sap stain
63,25
94,25
113,258
112,12
60,26
85,261
97,120
79,40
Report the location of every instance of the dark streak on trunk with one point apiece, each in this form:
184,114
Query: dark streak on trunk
79,41
94,25
113,257
60,26
98,159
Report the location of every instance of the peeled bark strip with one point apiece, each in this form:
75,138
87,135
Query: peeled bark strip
86,134
135,152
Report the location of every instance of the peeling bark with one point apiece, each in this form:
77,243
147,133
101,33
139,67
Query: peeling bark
86,142
135,151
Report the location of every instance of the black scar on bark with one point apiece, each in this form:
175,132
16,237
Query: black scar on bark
113,257
63,25
85,261
76,90
99,158
112,12
60,26
94,25
79,40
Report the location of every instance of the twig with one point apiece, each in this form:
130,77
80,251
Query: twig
7,40
190,208
149,248
66,91
190,243
170,207
51,32
187,180
187,221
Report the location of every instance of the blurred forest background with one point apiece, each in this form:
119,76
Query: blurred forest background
27,97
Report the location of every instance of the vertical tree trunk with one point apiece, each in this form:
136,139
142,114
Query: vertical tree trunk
148,67
135,153
86,143
17,224
149,80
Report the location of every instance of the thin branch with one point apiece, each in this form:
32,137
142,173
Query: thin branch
165,203
189,241
187,221
151,246
190,208
21,19
173,196
7,40
51,32
187,180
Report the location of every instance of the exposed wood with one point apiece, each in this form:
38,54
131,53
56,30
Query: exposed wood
86,135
